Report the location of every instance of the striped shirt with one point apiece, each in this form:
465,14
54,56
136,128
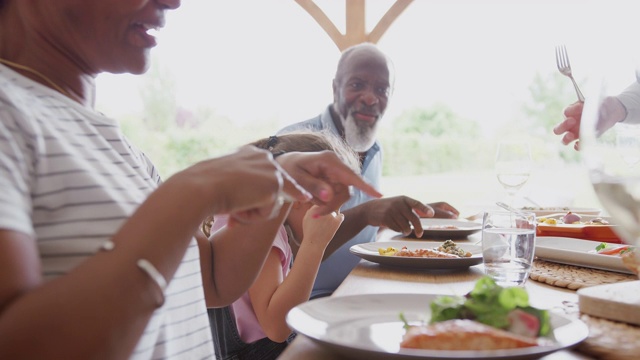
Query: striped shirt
70,178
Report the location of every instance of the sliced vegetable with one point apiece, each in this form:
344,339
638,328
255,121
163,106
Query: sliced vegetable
601,246
614,250
523,323
491,304
406,325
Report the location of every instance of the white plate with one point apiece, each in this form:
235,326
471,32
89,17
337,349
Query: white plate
576,252
368,327
544,211
433,228
369,251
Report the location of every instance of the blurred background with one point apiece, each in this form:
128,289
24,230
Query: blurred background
468,73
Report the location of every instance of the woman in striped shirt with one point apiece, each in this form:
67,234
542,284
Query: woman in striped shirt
98,257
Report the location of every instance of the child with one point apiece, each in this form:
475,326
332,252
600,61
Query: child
254,327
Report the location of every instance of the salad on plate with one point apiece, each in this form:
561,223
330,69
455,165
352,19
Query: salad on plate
489,317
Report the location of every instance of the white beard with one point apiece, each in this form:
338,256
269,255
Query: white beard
359,138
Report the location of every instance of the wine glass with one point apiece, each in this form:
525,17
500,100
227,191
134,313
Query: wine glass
513,166
610,146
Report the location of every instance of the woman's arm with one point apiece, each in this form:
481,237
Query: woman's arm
107,300
106,297
104,304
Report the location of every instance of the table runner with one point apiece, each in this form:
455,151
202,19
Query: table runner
607,339
574,277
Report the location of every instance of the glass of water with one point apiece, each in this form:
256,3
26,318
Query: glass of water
508,246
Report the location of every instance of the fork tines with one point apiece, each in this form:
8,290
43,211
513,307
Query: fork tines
562,59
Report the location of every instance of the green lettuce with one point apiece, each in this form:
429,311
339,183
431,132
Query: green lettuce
489,304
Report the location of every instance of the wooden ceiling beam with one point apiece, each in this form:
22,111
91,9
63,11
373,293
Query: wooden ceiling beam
356,32
355,21
323,20
387,19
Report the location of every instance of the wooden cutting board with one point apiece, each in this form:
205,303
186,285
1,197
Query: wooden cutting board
618,302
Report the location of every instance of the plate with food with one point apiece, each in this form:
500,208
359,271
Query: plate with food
448,228
399,326
548,210
586,253
576,225
438,255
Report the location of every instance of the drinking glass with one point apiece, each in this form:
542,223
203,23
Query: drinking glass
610,146
508,246
513,166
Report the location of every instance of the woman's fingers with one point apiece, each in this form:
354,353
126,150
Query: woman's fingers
326,177
261,185
291,191
256,186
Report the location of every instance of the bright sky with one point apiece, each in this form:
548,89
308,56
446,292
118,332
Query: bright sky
254,60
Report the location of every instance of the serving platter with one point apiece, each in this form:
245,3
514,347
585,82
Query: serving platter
369,251
544,211
604,233
368,327
577,252
447,228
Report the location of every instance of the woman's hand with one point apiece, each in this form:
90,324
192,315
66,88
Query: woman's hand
247,184
326,177
251,186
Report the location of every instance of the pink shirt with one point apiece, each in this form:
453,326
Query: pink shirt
247,323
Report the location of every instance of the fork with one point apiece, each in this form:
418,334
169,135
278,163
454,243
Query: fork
562,59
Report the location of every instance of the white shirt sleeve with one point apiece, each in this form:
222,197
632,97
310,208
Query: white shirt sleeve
630,98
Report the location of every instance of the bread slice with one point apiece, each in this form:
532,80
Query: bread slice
462,335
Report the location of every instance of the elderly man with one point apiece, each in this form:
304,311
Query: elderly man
361,90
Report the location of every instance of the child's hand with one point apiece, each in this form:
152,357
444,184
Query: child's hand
320,230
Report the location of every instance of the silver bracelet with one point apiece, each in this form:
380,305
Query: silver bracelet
108,245
155,275
147,268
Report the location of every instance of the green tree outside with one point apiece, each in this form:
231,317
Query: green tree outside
422,141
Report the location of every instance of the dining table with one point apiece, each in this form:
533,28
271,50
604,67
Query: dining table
373,278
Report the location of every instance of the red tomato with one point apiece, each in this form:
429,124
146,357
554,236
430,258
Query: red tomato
613,251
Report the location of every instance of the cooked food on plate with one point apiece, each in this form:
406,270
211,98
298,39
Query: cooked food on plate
628,254
451,247
462,335
571,218
612,249
553,208
441,227
490,317
631,260
424,253
448,249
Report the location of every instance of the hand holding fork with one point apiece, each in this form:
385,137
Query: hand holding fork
562,60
